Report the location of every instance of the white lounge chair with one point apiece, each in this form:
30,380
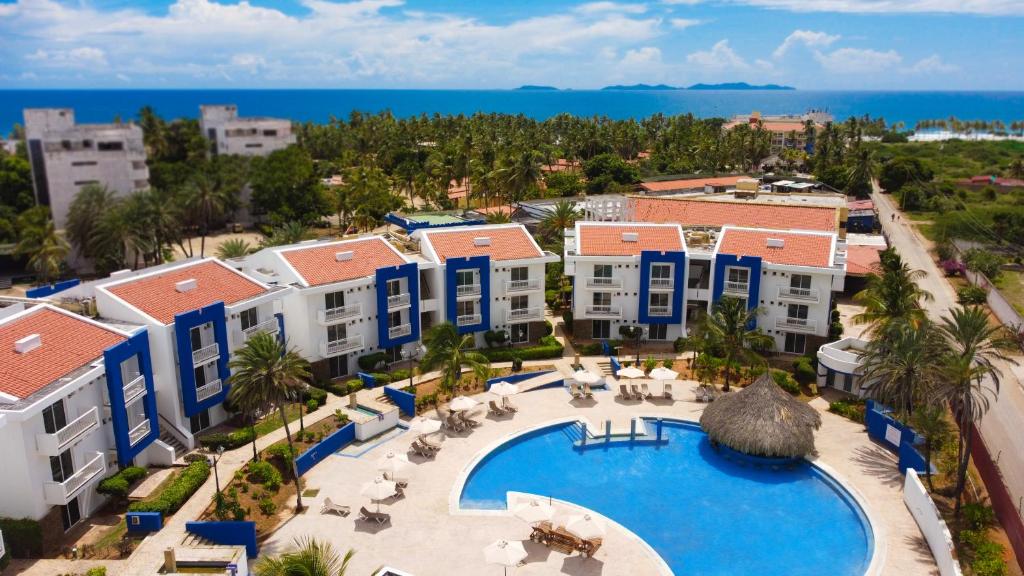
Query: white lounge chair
329,507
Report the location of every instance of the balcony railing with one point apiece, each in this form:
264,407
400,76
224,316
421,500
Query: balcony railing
335,347
662,283
796,324
603,311
205,354
134,388
522,285
139,432
467,320
60,493
398,301
802,294
54,444
209,390
463,290
270,325
740,288
659,310
603,282
332,315
523,314
399,331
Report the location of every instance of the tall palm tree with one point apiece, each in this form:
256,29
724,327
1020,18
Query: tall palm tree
233,248
730,326
287,233
519,174
46,249
266,373
932,423
862,170
976,347
312,558
450,351
903,365
498,217
892,294
87,208
212,194
1016,167
562,217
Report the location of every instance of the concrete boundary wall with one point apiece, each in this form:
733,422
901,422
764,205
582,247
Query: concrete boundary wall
934,528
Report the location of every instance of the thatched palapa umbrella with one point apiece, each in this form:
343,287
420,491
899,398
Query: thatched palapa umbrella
762,420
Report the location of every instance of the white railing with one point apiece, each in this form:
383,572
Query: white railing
139,432
467,290
467,320
523,314
398,300
804,294
54,444
59,493
209,390
661,283
603,282
134,388
736,288
604,311
205,354
522,285
335,347
659,310
269,325
798,324
399,331
340,313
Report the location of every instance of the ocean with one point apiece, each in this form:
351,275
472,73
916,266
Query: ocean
321,105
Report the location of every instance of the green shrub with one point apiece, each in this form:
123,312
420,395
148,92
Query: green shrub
340,417
983,262
23,538
803,370
118,484
971,295
592,349
370,362
381,378
547,347
264,473
354,385
567,322
229,440
978,516
495,338
400,374
96,571
785,381
177,492
425,401
650,364
267,506
681,344
316,394
549,329
849,409
552,298
517,363
281,451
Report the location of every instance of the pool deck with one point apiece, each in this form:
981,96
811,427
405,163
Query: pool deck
430,536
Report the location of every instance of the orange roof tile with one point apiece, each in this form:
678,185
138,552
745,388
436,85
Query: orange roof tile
692,212
68,343
690,183
156,295
773,126
862,260
507,243
604,240
797,250
318,265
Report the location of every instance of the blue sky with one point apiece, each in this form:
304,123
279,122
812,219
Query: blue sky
811,44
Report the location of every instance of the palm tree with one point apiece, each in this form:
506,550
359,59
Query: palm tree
498,217
287,233
212,194
233,248
450,351
931,423
87,208
519,174
266,373
892,294
312,558
903,365
46,249
562,217
730,325
976,347
1016,167
861,172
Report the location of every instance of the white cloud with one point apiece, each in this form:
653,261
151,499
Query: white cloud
932,65
642,56
1007,7
76,57
681,2
683,23
808,38
721,56
857,61
598,7
123,77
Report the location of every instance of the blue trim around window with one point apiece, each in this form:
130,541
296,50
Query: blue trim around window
136,345
678,260
280,328
452,267
183,324
411,273
752,263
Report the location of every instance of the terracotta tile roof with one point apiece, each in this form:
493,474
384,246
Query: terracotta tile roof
68,343
318,264
507,243
860,205
604,240
773,126
797,250
746,214
862,260
156,295
691,183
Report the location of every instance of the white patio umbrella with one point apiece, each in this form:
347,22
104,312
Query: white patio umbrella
534,511
504,389
379,489
460,403
395,465
426,425
586,377
585,526
662,373
505,553
631,372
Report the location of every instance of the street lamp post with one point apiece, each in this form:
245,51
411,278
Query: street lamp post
640,333
411,355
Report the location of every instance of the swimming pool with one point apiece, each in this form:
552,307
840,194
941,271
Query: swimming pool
701,512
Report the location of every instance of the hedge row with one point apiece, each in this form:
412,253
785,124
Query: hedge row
229,440
171,498
118,484
547,347
23,538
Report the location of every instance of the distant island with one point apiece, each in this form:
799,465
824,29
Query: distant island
532,87
641,87
723,86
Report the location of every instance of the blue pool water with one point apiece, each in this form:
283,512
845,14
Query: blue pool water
703,514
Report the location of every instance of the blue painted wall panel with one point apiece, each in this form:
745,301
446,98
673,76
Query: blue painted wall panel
483,265
405,401
183,324
648,257
411,273
325,448
513,378
137,345
143,522
228,533
752,263
51,289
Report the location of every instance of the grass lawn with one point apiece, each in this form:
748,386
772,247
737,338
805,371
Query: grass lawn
1011,286
272,421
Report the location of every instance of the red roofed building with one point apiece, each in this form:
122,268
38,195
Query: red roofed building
693,212
612,239
502,242
862,260
700,184
787,131
777,247
318,264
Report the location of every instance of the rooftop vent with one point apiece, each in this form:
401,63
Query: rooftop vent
482,241
630,237
343,256
28,344
775,242
186,285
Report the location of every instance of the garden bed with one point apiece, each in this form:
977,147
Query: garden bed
428,393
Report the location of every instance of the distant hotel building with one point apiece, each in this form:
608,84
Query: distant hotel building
230,133
788,131
66,157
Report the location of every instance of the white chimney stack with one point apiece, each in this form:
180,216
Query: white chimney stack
630,237
28,344
482,241
343,256
775,243
186,285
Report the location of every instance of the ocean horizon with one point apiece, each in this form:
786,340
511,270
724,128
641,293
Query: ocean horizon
320,105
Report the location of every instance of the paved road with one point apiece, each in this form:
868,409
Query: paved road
1003,426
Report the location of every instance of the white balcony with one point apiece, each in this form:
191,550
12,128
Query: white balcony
336,347
398,301
659,311
736,288
467,320
603,311
60,493
399,331
340,313
209,390
800,294
522,285
205,354
796,324
54,444
603,282
662,284
134,388
139,432
467,290
269,326
524,315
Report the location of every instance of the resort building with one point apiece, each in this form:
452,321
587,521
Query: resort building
76,401
841,365
706,184
65,157
788,131
230,133
349,298
714,213
485,278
